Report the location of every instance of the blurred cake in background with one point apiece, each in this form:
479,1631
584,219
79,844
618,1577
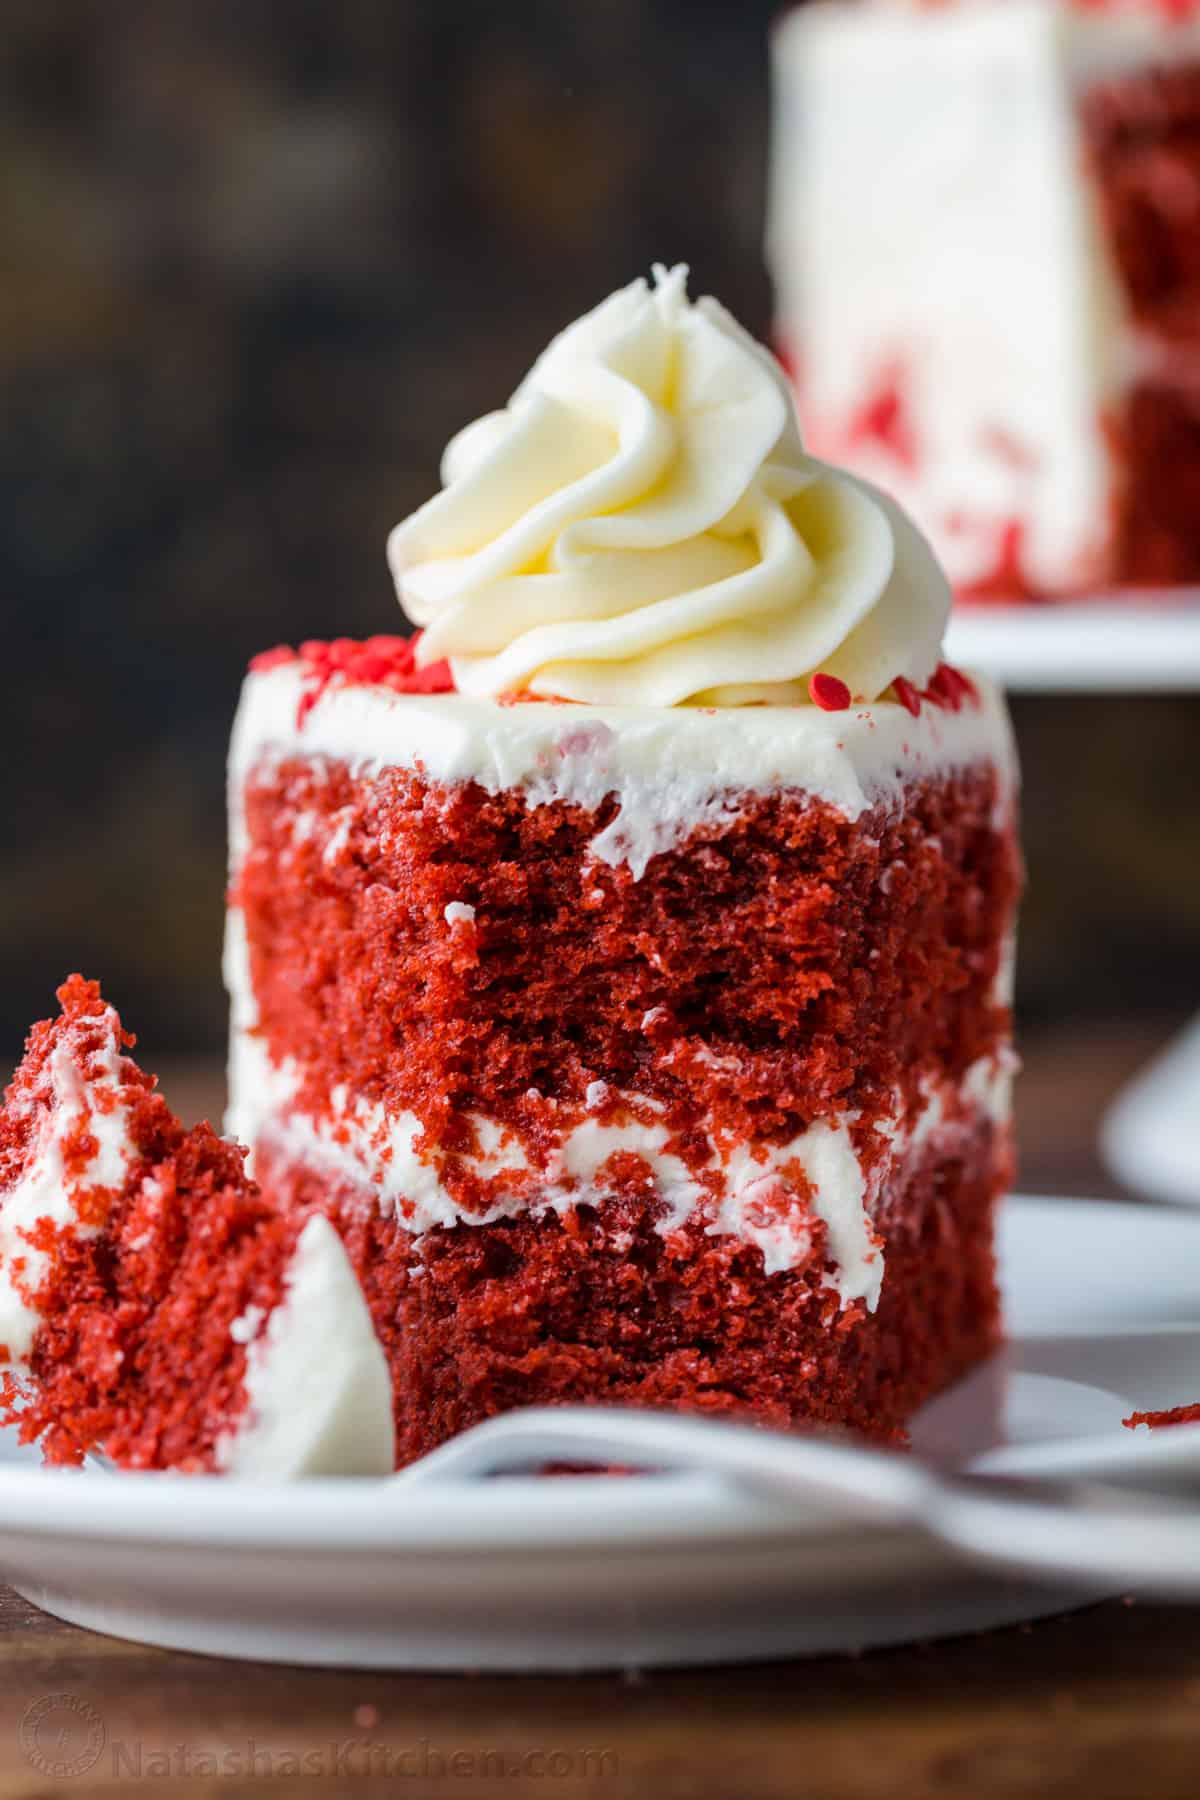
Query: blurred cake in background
985,236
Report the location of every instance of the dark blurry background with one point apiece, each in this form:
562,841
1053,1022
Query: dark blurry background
259,261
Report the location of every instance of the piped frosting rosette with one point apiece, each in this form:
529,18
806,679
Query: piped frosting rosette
641,524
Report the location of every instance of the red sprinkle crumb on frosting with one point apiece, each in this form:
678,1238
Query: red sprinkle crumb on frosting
382,661
830,694
908,696
948,688
391,662
945,688
271,659
1175,1415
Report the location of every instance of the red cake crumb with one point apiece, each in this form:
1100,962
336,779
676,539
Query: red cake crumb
266,660
134,1354
949,687
830,694
383,661
908,695
1175,1415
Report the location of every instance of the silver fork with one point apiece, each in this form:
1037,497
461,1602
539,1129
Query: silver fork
1077,1525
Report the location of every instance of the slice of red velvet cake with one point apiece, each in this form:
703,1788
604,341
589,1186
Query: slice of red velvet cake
638,1012
620,974
152,1304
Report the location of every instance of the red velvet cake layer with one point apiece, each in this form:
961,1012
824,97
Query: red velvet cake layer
599,1306
1158,542
1143,137
788,964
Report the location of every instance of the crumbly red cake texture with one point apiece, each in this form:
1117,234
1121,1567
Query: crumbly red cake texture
598,1306
135,1353
1174,1415
816,963
1143,138
780,967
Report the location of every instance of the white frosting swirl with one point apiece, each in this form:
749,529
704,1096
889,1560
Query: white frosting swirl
642,524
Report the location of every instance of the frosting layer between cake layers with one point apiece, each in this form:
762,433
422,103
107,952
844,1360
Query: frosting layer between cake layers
80,1143
764,1194
679,778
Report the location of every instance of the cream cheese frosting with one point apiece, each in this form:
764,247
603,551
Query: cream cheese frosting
46,1191
672,770
388,1154
318,1390
642,524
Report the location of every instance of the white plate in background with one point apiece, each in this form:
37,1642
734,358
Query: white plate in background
1127,644
1151,1135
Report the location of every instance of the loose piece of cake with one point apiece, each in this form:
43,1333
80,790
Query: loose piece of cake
639,1012
1172,1415
985,237
152,1304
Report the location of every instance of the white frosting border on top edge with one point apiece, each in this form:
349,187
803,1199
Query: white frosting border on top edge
671,769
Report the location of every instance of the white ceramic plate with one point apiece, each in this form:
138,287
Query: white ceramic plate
595,1572
1124,644
1151,1136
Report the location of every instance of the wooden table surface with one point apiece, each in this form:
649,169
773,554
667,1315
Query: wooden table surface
1102,1702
